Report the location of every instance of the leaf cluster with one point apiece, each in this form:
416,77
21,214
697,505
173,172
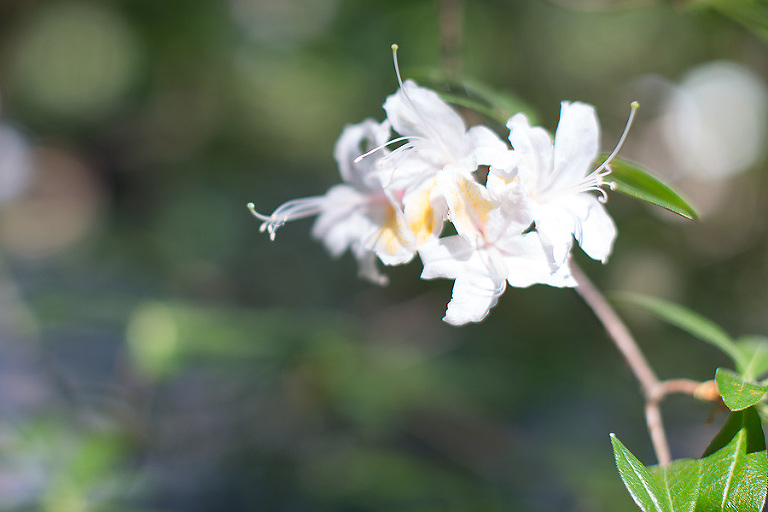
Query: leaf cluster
733,471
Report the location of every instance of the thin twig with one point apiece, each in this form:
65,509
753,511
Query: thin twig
629,349
617,331
451,20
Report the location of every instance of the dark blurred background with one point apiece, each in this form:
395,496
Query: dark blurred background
158,353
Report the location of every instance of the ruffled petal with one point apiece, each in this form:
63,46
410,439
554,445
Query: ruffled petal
596,231
354,141
473,297
424,208
341,221
468,202
434,129
447,257
490,150
528,262
556,225
393,243
367,267
577,141
533,147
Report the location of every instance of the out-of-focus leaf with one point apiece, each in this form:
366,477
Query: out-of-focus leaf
473,94
752,14
687,320
731,475
737,392
640,483
474,104
755,352
631,180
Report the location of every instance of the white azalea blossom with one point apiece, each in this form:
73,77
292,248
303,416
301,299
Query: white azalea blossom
514,228
359,214
490,250
559,178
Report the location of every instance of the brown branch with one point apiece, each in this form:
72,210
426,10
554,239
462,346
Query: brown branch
650,385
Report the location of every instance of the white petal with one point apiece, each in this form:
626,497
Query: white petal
418,110
577,142
447,257
597,230
435,130
533,147
490,150
473,296
393,243
367,268
424,208
354,141
341,223
529,263
556,225
469,202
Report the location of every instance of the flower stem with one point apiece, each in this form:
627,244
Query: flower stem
653,389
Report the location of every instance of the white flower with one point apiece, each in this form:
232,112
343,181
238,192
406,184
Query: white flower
358,214
490,250
559,179
436,135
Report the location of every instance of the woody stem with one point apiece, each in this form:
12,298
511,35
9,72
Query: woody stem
652,388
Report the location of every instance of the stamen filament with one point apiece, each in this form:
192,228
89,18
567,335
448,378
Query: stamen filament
379,148
634,106
291,210
427,126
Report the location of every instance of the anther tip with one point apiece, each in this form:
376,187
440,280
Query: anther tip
635,105
394,47
251,206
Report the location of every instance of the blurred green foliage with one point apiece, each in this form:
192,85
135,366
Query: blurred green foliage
158,353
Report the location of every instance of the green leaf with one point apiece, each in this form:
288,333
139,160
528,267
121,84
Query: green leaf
631,180
680,480
734,468
755,352
731,476
687,320
737,392
475,95
639,481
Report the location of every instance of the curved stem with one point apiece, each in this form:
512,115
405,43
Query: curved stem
651,386
617,331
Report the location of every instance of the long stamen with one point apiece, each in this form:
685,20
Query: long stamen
427,126
596,179
634,106
291,210
378,148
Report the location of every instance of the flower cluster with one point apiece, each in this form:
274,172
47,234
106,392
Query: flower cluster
515,226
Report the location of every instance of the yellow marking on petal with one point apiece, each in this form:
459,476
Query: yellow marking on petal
470,208
420,215
390,236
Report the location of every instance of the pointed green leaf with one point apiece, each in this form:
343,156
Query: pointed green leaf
737,392
687,320
681,481
755,352
731,476
629,179
642,486
734,468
